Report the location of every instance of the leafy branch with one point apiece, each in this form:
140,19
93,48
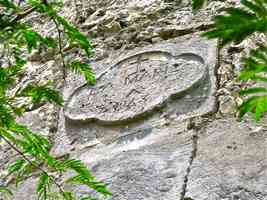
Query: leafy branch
16,36
41,189
236,25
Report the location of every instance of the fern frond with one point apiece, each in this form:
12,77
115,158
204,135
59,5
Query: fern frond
43,186
197,4
256,105
9,5
256,7
6,134
96,185
239,23
5,191
68,195
75,36
78,167
255,65
84,176
34,149
33,144
253,90
6,80
24,172
32,39
6,117
255,68
42,93
16,166
88,198
83,69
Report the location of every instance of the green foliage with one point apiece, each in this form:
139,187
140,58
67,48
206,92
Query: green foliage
197,4
16,166
84,69
42,93
74,36
255,104
8,5
5,190
16,36
239,23
44,186
88,198
235,25
255,67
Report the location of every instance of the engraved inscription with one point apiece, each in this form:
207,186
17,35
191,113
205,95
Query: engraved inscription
135,86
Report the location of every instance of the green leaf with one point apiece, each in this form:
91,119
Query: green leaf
240,23
8,4
256,105
16,166
16,35
256,7
255,68
75,36
88,198
33,144
6,117
49,42
253,90
78,167
42,93
5,190
6,79
31,38
98,186
84,176
83,69
6,134
43,186
197,4
24,172
39,5
68,195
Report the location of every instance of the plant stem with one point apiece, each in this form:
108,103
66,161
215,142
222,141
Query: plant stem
23,15
33,164
60,48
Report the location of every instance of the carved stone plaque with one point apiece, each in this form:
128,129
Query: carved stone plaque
139,84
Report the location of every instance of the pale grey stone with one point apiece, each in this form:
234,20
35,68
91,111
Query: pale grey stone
231,163
147,79
145,152
27,190
154,170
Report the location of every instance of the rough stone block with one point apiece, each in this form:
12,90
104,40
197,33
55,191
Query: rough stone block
231,163
177,75
126,126
140,92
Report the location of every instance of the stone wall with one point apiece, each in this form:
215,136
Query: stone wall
160,122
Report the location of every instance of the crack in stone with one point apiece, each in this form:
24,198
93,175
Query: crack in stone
191,159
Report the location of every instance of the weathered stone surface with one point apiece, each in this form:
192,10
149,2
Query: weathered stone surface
152,169
231,163
145,152
145,80
173,81
27,191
